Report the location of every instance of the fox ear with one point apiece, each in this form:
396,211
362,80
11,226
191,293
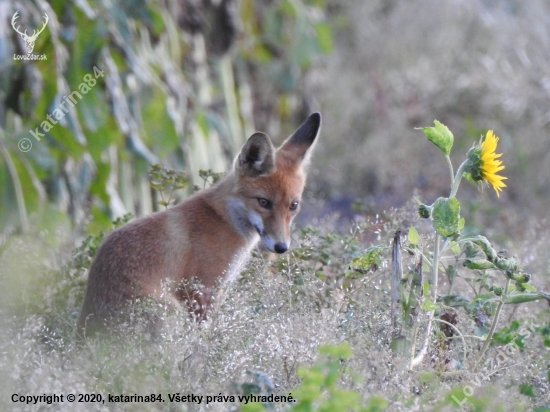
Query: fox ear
257,156
297,147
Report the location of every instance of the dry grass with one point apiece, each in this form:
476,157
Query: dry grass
266,324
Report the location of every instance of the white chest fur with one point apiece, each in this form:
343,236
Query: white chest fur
238,262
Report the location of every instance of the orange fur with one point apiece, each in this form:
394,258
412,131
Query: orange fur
208,237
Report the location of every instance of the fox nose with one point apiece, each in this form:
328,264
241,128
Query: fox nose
280,247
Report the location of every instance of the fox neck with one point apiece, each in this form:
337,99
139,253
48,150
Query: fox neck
241,221
227,203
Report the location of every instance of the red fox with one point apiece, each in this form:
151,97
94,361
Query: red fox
208,237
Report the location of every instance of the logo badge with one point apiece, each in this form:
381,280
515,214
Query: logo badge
29,39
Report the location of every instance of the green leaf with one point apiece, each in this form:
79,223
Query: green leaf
160,133
484,297
461,223
425,288
485,246
413,236
428,305
455,247
526,390
440,135
450,271
454,300
479,264
517,298
446,216
367,261
508,334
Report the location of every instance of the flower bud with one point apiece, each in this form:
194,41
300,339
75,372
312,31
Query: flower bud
519,277
425,211
474,163
497,290
510,265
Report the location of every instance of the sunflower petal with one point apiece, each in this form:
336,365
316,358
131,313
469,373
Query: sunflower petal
489,163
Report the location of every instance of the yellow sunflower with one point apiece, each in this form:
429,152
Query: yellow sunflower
489,163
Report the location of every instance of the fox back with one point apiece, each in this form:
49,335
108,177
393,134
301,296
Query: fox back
207,238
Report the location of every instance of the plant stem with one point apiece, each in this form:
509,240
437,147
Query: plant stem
458,178
426,342
495,321
451,283
396,277
450,168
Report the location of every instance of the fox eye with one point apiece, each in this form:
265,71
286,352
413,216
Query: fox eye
266,204
294,206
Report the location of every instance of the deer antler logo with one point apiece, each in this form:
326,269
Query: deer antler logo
29,40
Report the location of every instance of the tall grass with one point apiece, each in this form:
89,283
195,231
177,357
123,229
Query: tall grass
264,326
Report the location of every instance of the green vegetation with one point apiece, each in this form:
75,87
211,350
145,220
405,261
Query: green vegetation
347,319
265,332
128,84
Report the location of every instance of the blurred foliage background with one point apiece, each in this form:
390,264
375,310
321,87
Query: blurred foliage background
187,81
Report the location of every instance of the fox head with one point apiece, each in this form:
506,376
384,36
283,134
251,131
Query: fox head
270,183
